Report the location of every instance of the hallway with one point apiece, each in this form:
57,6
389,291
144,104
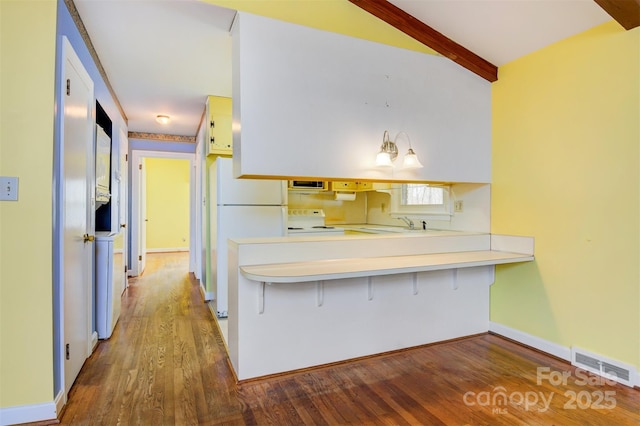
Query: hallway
166,364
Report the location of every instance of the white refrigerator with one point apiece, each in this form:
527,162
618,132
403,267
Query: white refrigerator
240,208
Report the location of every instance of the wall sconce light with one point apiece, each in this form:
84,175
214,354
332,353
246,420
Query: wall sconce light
163,119
389,152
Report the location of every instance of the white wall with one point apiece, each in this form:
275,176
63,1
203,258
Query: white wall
310,103
475,216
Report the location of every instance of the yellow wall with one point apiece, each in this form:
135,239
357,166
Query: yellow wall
566,161
339,16
168,200
27,67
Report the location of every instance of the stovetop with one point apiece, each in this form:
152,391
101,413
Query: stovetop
305,218
309,221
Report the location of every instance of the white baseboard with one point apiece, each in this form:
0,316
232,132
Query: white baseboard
167,249
28,413
94,341
531,340
207,296
212,309
543,345
60,401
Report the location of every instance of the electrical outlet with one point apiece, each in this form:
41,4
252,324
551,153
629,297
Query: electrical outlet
8,188
458,206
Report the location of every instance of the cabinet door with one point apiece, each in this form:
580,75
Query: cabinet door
364,186
352,186
344,186
220,139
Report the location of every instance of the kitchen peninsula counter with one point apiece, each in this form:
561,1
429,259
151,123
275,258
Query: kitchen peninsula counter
301,302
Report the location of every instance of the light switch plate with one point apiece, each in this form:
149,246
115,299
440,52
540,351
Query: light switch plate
8,188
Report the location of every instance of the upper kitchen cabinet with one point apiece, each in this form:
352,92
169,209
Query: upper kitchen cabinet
310,103
220,139
351,186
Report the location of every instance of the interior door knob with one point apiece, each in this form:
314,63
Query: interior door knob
88,238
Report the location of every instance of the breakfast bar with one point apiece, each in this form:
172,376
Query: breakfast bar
301,302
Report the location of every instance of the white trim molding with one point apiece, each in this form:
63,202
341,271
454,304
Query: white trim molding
543,345
28,413
546,346
167,250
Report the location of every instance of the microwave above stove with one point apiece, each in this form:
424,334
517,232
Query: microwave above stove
309,185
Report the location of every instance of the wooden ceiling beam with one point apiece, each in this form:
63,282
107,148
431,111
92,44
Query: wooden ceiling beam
626,12
426,35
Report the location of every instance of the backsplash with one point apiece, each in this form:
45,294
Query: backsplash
374,207
336,212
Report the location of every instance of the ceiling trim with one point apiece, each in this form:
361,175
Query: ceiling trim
426,35
625,12
161,137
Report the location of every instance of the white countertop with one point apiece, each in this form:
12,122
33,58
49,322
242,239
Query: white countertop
361,234
402,230
330,269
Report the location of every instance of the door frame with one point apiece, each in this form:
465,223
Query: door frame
123,182
136,158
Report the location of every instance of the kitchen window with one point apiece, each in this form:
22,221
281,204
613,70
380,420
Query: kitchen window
420,198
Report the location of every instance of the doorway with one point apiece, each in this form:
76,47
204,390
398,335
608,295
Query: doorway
140,214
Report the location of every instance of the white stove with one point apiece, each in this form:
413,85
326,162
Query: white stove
309,222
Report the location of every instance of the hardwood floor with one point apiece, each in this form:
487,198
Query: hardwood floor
166,364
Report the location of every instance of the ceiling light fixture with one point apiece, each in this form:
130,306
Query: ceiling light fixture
163,119
389,152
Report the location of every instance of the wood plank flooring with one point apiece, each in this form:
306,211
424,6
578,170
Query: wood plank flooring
166,365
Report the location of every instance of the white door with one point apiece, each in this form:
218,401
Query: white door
142,235
77,202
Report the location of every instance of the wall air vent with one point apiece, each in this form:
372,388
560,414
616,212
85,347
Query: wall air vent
607,368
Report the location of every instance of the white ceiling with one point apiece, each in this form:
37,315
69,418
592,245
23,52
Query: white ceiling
166,56
161,57
500,31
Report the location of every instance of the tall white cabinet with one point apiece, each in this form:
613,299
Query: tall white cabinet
110,247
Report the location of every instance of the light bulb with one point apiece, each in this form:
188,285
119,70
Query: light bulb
383,159
163,119
411,161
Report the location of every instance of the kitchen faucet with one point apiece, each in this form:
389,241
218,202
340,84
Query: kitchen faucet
408,221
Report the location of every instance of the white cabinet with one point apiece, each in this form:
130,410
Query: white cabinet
110,281
219,139
351,186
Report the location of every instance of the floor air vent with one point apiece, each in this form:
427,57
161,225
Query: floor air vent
608,368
